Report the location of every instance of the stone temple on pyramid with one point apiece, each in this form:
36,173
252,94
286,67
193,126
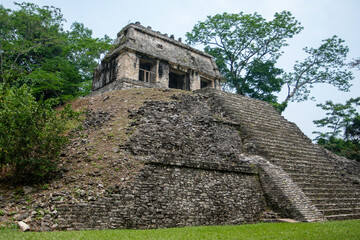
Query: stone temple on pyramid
208,157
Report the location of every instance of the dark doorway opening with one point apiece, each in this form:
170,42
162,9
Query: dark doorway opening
204,83
176,80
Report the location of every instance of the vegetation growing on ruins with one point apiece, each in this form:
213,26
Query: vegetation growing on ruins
31,134
343,121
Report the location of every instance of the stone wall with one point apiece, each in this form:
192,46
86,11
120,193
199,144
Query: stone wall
127,65
166,196
122,84
104,74
162,47
193,174
163,74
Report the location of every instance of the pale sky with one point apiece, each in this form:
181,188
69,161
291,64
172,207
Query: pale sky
321,19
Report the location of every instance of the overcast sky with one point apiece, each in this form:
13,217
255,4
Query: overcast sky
321,19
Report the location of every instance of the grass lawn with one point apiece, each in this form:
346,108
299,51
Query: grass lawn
327,230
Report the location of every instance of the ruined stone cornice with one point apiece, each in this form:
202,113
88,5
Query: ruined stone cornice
153,33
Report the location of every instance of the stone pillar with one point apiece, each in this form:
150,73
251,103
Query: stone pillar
128,66
217,84
195,81
163,74
157,71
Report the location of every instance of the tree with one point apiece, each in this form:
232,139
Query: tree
323,65
31,133
27,36
338,117
355,64
352,130
343,120
84,53
242,44
35,50
263,80
342,147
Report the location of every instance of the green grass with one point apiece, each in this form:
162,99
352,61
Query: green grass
328,230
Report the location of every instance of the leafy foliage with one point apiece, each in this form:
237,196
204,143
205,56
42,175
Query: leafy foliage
352,130
262,81
338,117
34,49
26,37
323,65
40,62
344,122
355,64
31,133
246,47
346,148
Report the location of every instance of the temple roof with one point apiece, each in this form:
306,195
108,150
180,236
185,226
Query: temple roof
154,44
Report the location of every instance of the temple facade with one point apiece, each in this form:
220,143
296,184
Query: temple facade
142,57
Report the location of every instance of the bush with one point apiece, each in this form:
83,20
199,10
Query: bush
31,133
346,148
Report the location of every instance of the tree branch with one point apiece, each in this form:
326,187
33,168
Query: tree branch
297,85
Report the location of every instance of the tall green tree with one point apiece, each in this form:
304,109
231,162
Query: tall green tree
36,50
27,36
246,47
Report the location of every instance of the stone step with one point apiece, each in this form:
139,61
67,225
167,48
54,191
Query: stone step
307,170
260,126
286,150
284,156
294,162
354,201
254,111
266,118
329,186
247,116
316,181
343,216
324,206
325,177
340,194
323,185
294,151
328,190
277,139
339,211
249,106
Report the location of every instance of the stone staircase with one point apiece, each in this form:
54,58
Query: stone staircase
266,133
